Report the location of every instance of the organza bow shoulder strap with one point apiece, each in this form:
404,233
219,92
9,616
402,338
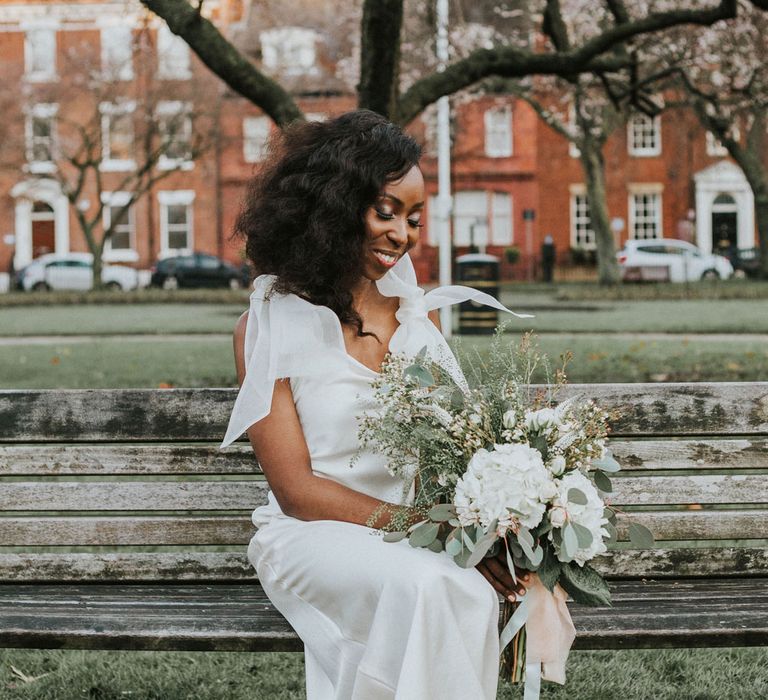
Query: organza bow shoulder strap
416,329
286,336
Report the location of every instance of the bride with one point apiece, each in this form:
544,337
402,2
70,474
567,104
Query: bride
328,223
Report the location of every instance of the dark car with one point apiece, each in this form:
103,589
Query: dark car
196,270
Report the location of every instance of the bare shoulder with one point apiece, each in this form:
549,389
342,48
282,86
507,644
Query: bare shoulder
242,322
434,316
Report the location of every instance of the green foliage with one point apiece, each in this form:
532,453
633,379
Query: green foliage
584,584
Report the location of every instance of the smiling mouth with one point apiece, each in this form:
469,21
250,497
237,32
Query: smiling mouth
386,259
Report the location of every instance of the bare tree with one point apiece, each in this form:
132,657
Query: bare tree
101,135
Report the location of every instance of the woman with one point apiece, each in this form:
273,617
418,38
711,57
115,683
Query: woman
327,224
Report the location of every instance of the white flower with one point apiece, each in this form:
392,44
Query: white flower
510,476
589,516
509,419
541,420
443,417
557,465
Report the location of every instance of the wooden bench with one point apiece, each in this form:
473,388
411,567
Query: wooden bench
124,527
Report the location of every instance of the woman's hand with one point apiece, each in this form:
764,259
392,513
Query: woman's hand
496,572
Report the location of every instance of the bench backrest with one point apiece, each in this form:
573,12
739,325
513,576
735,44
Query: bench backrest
130,485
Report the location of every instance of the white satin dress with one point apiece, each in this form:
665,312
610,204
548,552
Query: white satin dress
379,621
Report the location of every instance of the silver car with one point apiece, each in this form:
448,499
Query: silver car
671,260
72,271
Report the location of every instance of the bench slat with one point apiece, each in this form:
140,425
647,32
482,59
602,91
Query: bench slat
691,453
670,490
134,415
225,566
241,618
157,530
699,524
62,460
132,495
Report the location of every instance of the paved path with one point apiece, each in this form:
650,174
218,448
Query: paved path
156,338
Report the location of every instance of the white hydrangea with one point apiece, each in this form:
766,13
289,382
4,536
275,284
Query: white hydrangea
509,476
590,515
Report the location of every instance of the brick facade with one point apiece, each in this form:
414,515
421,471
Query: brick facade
496,175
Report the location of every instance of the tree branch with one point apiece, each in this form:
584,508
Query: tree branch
516,63
380,55
554,26
225,60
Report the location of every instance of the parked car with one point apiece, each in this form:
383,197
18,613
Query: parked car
72,271
670,259
196,270
746,262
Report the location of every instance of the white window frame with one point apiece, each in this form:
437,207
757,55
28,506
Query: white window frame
645,189
488,223
173,58
109,110
40,28
119,199
640,121
167,198
42,110
289,50
715,148
170,108
256,131
577,218
498,132
116,50
573,150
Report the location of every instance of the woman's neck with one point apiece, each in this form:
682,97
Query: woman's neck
364,293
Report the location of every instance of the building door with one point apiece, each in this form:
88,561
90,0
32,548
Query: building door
43,229
725,226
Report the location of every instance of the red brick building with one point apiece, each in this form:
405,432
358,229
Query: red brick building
664,176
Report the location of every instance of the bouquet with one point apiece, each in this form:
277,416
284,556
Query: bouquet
503,468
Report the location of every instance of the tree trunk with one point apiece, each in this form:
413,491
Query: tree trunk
380,56
594,172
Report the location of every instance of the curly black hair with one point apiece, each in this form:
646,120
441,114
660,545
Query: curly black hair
303,216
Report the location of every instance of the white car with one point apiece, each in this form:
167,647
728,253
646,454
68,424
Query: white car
72,271
671,260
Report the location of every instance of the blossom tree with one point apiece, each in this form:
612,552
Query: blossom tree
379,86
724,78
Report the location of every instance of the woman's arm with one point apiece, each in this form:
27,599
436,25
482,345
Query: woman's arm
279,445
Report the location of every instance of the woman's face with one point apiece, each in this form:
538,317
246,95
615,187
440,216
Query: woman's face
393,223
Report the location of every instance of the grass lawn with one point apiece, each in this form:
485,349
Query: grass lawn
207,361
707,674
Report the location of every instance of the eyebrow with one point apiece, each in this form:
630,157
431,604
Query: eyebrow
386,195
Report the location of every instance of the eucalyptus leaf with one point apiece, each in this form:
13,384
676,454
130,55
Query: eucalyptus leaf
467,540
607,463
394,536
577,496
524,535
640,536
549,569
610,515
424,535
442,512
436,545
421,374
453,546
454,522
510,565
421,354
613,535
527,548
540,443
457,399
538,556
462,557
584,585
583,535
602,481
481,549
570,541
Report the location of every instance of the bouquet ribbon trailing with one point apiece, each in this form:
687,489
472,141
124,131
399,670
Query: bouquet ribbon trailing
549,635
287,336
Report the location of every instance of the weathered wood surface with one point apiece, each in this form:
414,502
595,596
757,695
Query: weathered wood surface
132,495
691,453
700,524
670,490
233,566
125,459
129,530
134,415
241,618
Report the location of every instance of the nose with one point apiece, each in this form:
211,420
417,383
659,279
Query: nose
398,232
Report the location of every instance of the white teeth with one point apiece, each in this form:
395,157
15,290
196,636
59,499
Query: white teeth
386,258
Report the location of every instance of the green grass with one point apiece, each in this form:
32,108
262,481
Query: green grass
707,674
662,316
207,361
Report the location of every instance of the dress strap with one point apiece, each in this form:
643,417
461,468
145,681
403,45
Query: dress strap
415,329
